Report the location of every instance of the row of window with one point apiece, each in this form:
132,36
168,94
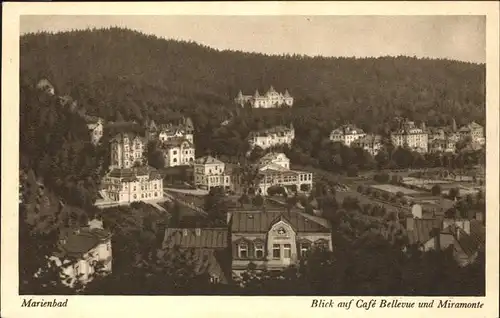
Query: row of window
278,250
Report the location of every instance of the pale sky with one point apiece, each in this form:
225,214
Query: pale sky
454,37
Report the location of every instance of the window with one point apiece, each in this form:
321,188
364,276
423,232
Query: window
156,186
276,251
135,196
259,250
175,152
243,250
214,279
287,251
304,248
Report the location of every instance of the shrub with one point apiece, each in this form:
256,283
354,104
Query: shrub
258,201
399,194
436,190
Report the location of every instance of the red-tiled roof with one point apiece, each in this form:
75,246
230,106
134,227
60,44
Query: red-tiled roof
261,222
188,238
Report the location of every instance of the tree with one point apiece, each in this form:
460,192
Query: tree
453,193
436,190
258,201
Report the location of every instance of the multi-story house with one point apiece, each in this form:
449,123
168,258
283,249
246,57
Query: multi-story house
210,172
128,185
292,180
274,240
96,128
127,150
83,253
209,247
410,136
346,134
371,143
177,151
474,131
279,135
442,145
182,128
271,99
279,159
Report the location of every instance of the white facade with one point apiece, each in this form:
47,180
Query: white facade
127,150
271,99
346,134
96,129
272,137
275,158
78,260
136,184
178,152
411,137
210,172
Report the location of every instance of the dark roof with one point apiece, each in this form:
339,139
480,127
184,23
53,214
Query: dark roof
478,232
261,222
187,238
175,142
423,230
76,242
131,174
208,160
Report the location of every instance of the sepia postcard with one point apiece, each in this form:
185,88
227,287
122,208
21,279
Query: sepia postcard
243,159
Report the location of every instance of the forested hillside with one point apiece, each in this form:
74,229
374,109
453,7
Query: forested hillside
118,72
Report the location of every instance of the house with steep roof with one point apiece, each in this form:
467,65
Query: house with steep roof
271,137
177,151
410,136
275,158
210,172
371,143
209,247
274,240
83,253
95,126
474,131
271,99
442,233
127,150
128,185
347,134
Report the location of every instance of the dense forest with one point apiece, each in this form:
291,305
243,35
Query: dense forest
118,73
122,75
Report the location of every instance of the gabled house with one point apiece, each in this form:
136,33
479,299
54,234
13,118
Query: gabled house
274,240
209,247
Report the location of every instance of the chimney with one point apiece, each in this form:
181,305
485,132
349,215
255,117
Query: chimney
184,232
198,231
228,217
410,222
464,224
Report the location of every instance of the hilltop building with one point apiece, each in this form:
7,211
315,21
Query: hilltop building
128,185
96,128
274,240
271,99
411,137
277,158
266,138
176,129
80,250
127,150
346,134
